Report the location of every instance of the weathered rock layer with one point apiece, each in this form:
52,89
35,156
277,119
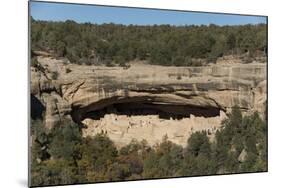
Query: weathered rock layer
191,97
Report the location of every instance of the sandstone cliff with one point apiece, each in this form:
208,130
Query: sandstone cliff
113,99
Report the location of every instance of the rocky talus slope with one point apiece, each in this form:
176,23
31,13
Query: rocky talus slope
145,101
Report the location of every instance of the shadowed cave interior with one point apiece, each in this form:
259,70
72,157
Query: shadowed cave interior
165,111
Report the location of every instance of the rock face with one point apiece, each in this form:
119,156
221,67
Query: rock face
147,101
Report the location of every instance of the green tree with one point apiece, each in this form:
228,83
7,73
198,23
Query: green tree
231,42
65,140
199,144
60,48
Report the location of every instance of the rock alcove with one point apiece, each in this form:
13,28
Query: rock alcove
145,101
147,120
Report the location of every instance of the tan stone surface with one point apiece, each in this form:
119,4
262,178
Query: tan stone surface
122,129
88,88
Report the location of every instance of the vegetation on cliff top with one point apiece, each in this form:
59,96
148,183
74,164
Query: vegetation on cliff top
63,156
113,44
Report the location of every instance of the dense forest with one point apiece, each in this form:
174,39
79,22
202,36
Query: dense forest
113,44
63,156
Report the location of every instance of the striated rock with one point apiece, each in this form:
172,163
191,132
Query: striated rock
187,97
214,86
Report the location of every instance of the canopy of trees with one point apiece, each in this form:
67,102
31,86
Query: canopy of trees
63,156
113,44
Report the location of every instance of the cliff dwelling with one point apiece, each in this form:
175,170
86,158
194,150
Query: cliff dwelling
123,122
147,101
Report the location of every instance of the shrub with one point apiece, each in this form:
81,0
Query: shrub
109,64
120,61
68,70
34,62
55,75
178,61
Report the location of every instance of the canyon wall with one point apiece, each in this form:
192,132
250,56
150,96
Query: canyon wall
113,99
